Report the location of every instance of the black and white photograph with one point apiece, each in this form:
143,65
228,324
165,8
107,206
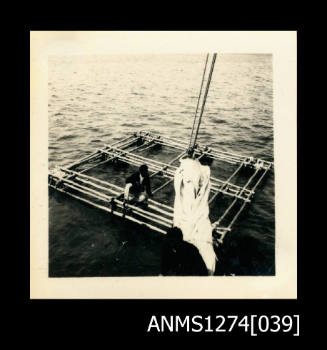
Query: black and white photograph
161,165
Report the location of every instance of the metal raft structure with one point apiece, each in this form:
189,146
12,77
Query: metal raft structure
77,180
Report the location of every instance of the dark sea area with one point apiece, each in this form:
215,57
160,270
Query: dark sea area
97,100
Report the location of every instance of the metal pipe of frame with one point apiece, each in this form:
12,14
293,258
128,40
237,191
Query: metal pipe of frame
93,156
108,160
185,143
214,185
95,153
162,186
231,160
221,155
115,192
171,180
165,169
105,198
86,190
137,156
132,160
134,207
234,201
237,215
227,159
148,145
139,159
152,227
170,162
260,179
161,169
128,154
226,182
214,154
169,174
119,191
168,144
173,143
90,178
242,207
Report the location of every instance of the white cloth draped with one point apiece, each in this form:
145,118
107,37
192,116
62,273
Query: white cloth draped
191,208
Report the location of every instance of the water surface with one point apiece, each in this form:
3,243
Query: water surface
94,100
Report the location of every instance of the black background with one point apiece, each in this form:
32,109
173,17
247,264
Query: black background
102,320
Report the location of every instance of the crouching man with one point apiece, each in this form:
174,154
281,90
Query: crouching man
138,188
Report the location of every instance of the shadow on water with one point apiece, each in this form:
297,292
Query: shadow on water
93,243
244,255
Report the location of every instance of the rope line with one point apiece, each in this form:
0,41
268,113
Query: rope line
191,148
197,106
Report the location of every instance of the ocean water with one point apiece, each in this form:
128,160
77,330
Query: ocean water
96,100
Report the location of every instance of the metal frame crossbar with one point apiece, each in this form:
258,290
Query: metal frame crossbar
72,180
